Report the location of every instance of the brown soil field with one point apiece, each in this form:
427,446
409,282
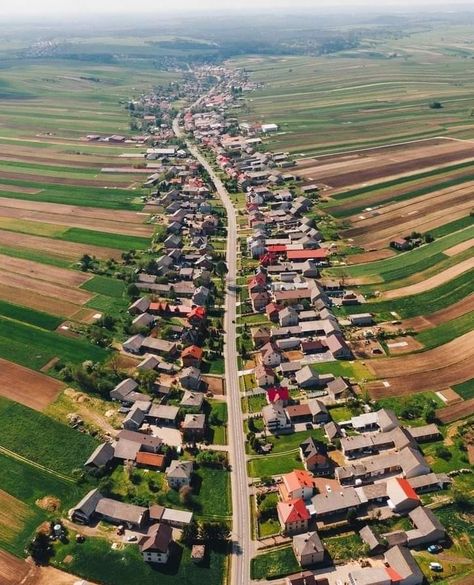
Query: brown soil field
215,384
123,222
13,571
68,250
373,165
51,305
432,282
30,388
455,411
17,189
444,315
372,256
376,229
364,348
405,344
42,287
435,369
459,248
70,278
99,182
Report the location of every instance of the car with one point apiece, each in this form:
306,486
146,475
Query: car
436,567
132,538
434,548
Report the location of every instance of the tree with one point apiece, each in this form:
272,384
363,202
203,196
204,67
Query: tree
436,105
186,494
351,516
430,416
190,533
443,453
215,532
133,291
40,549
221,269
86,262
462,500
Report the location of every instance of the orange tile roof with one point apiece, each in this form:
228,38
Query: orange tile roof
192,351
297,479
293,511
406,487
151,459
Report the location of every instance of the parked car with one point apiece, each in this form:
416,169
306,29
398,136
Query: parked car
436,567
434,548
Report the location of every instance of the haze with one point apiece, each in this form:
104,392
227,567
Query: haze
52,8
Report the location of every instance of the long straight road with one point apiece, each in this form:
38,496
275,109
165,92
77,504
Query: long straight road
241,538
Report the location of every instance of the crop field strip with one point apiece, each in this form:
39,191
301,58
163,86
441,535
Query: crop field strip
337,103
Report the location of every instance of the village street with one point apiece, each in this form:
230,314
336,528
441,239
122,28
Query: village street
241,529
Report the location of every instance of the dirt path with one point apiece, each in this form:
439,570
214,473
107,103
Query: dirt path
432,282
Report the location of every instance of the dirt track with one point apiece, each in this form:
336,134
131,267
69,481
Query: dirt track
30,388
432,282
68,250
123,222
435,369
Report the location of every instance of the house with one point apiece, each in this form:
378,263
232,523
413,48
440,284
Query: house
314,460
404,565
194,427
125,392
293,516
143,321
101,456
192,400
261,336
308,549
141,305
264,375
179,473
201,296
338,346
271,355
297,484
332,431
424,433
275,418
361,319
312,411
190,378
383,420
401,496
272,311
259,300
163,414
369,538
370,576
150,460
149,363
136,416
307,378
117,512
147,443
158,346
336,502
155,546
84,511
305,578
197,316
288,317
401,244
338,388
278,393
430,482
192,356
427,528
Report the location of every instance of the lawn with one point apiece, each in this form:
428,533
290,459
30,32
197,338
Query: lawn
42,439
256,402
103,285
96,561
346,369
269,466
274,564
344,548
340,413
412,409
104,239
218,422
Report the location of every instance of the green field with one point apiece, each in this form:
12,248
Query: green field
33,347
446,331
29,316
103,285
466,389
42,439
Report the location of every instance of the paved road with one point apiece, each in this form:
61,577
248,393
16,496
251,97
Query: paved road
241,528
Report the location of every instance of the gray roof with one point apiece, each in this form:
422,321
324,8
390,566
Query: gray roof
101,455
192,399
194,421
120,511
400,559
307,543
369,537
126,450
425,522
333,502
180,469
88,504
141,439
164,411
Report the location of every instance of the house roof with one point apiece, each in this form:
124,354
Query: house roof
277,393
335,501
120,511
194,421
261,371
319,254
164,411
180,469
293,511
401,560
369,537
150,459
192,351
298,479
158,539
140,438
101,455
308,543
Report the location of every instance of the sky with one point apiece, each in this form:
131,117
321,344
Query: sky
48,8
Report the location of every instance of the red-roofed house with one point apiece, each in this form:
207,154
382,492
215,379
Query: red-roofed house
320,254
192,356
298,484
293,516
272,310
276,393
259,300
401,496
197,316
